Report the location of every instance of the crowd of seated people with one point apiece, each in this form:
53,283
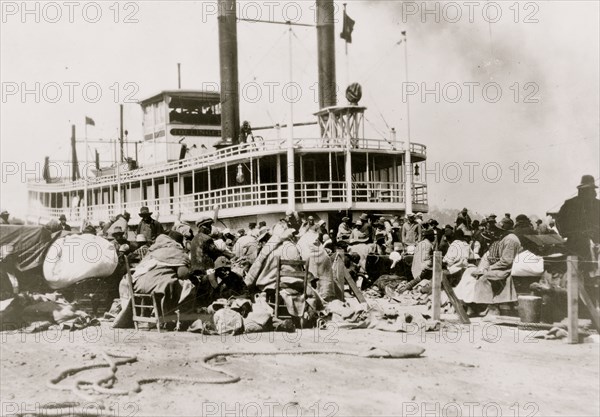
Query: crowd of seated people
220,262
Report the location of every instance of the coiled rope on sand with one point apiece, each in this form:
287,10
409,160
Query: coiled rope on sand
105,384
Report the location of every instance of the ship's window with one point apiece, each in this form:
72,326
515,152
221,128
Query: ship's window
194,111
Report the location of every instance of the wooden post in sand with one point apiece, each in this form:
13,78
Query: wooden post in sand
573,299
436,286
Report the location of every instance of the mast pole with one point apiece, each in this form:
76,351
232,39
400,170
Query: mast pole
290,142
120,161
85,180
121,132
407,158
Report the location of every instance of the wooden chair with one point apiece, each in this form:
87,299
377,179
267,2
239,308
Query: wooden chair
146,303
301,271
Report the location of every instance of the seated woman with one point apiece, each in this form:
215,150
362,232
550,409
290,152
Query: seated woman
490,283
164,271
263,274
457,257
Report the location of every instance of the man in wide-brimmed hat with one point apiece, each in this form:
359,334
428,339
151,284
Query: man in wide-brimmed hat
579,219
63,223
148,226
203,250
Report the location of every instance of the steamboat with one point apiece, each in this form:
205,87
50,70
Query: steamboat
200,159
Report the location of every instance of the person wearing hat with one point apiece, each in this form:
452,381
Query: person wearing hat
141,251
522,228
358,236
120,242
246,246
228,283
63,223
203,250
464,216
433,225
344,230
396,232
489,283
148,226
411,230
265,236
4,217
367,227
578,220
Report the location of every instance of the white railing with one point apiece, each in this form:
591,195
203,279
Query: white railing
320,192
263,195
377,192
243,150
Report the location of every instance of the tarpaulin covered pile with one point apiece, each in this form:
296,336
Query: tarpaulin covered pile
28,244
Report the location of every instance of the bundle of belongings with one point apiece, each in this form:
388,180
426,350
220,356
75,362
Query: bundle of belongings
37,312
353,315
239,315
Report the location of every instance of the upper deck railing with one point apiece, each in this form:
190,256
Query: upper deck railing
234,152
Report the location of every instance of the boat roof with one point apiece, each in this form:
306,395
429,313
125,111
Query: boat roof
211,96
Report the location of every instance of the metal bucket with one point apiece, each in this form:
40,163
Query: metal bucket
530,308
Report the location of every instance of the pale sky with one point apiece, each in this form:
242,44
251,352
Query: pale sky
543,55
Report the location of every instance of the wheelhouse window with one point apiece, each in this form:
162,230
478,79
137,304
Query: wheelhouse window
194,111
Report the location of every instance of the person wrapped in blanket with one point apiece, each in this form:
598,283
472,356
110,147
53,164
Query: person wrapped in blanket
164,271
490,284
263,273
422,262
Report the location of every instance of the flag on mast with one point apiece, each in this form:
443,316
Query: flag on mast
89,121
348,27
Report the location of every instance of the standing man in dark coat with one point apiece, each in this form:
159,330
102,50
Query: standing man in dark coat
203,250
579,219
148,227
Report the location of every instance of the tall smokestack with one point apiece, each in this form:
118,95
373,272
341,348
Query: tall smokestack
230,101
74,163
326,44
